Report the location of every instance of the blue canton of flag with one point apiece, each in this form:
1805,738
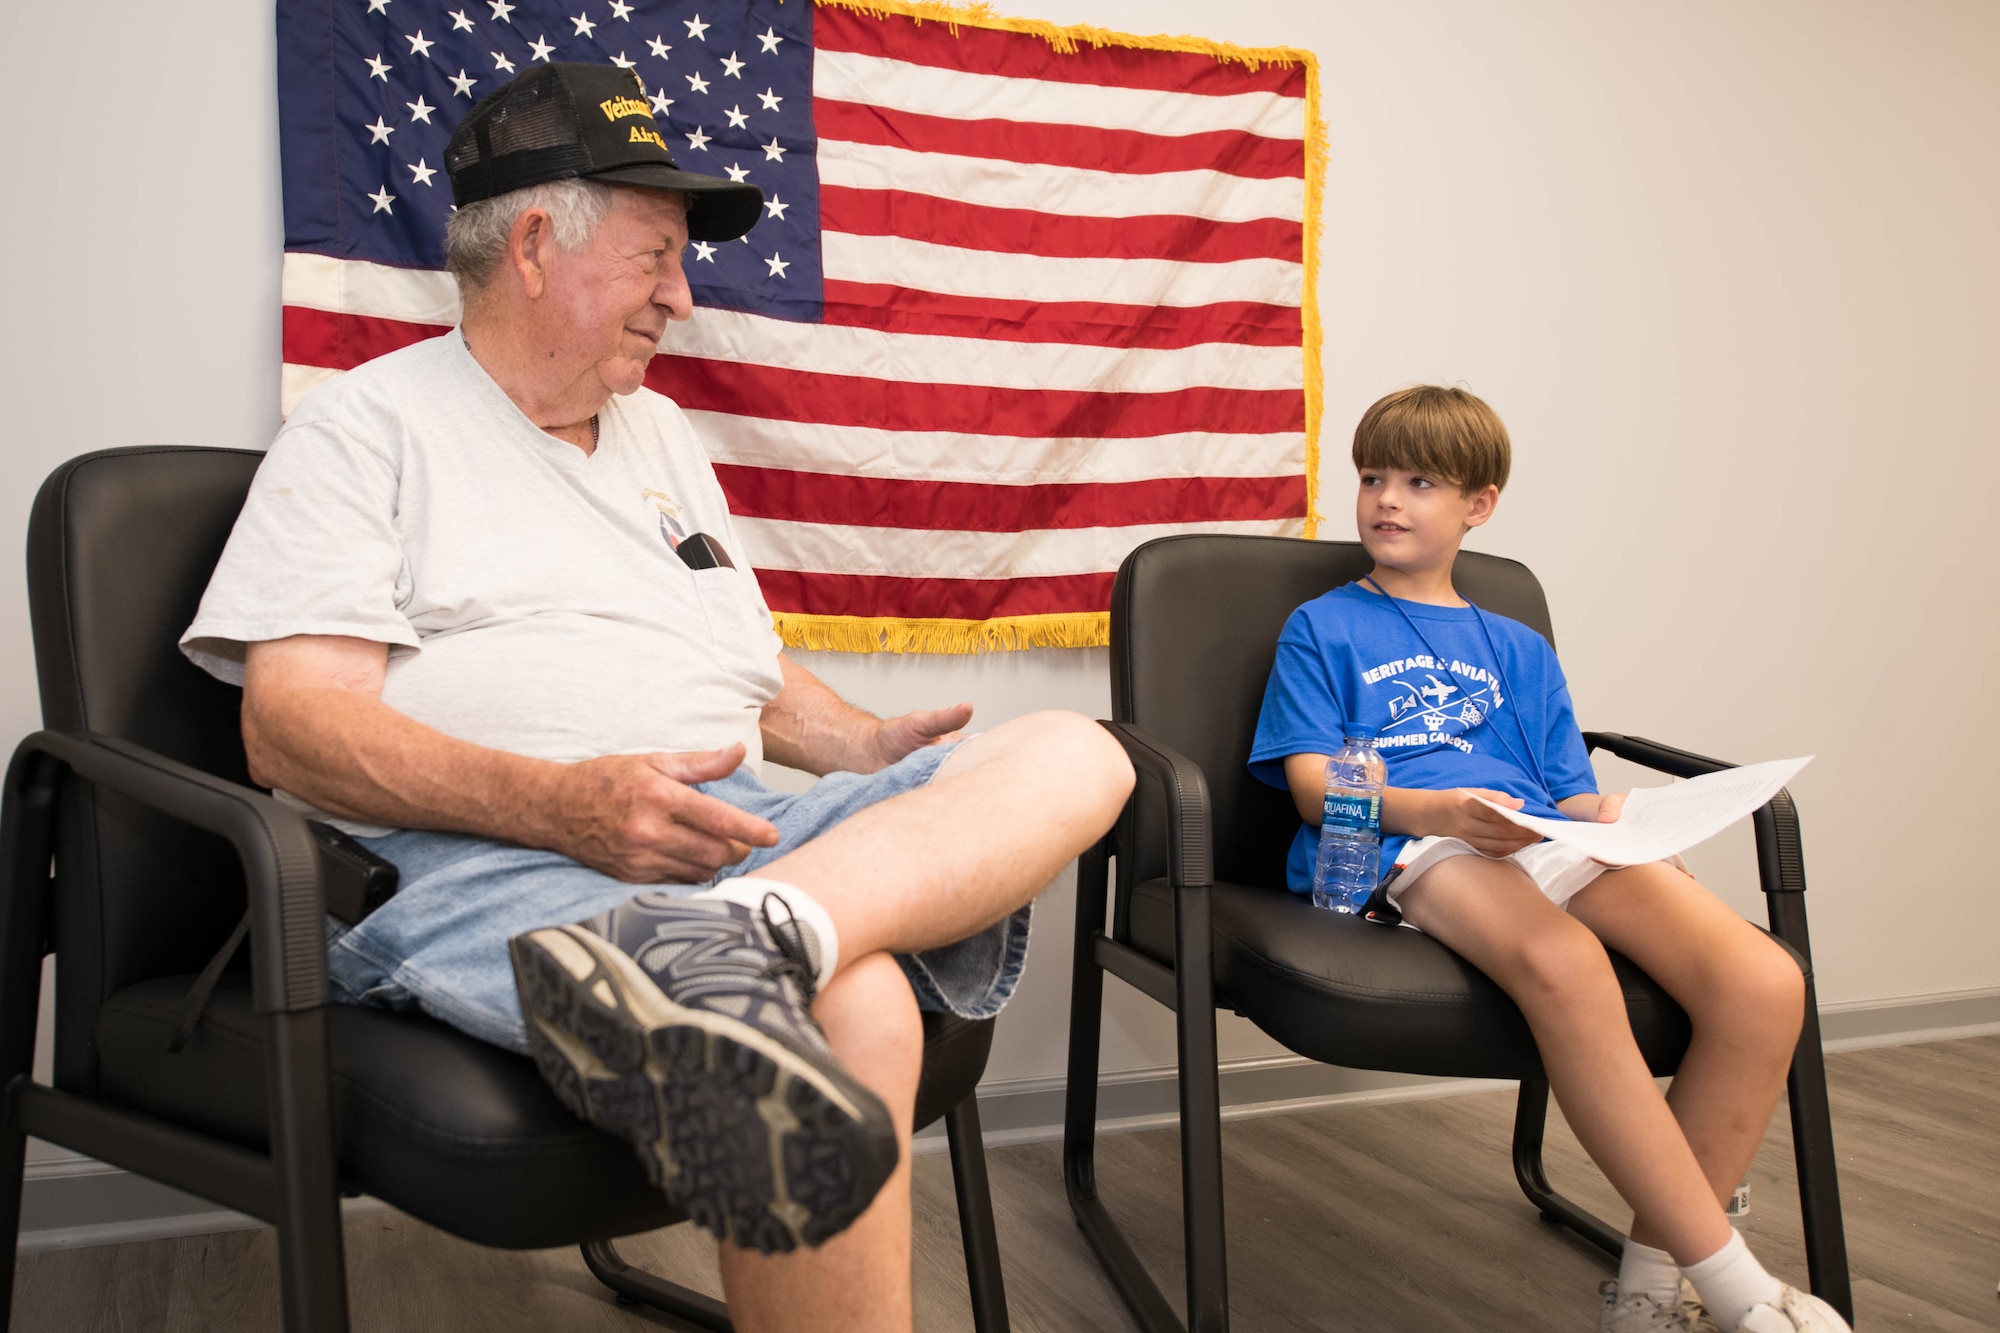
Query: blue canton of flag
369,92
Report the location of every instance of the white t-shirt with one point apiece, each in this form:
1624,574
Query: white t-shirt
531,595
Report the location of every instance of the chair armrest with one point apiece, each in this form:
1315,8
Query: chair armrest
1660,758
280,859
1190,862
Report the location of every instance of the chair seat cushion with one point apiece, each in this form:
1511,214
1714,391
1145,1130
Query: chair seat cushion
1344,991
461,1134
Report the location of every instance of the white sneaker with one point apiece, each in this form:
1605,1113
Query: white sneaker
1638,1313
1795,1312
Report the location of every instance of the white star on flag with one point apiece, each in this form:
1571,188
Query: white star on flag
778,266
696,28
379,70
775,208
501,9
622,63
773,153
770,40
703,250
584,27
737,120
660,48
421,172
378,7
698,139
660,103
418,46
698,83
383,201
380,131
459,21
461,84
731,66
420,109
770,99
737,174
540,48
501,62
621,10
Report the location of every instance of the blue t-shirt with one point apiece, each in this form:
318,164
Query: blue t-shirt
1454,704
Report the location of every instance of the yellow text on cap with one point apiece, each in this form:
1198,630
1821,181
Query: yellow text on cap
614,107
642,135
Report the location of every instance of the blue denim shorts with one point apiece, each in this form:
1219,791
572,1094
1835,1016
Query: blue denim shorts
440,945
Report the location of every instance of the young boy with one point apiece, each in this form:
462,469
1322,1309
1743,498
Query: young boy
1469,703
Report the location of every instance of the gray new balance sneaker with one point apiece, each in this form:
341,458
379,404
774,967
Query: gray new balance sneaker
1638,1313
683,1024
1794,1312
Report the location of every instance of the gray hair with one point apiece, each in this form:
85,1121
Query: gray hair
475,238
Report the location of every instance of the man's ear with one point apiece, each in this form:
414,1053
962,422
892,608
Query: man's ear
1484,502
529,242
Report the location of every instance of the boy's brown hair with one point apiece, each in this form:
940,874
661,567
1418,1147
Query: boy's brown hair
1447,434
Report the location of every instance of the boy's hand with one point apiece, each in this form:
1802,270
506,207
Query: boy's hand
1610,807
1462,816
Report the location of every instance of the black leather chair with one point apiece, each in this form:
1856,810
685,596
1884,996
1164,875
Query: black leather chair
1199,916
129,842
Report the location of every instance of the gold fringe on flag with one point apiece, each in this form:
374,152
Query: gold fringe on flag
1091,629
891,634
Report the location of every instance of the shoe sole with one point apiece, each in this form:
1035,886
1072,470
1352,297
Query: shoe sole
764,1145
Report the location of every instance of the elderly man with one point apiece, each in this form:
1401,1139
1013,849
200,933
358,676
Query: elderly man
490,617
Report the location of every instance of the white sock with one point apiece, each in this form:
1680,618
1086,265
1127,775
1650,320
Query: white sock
1731,1281
822,940
1654,1272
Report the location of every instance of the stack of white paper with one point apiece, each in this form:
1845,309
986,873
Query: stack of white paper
1657,822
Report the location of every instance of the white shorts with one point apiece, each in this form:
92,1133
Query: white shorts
1558,870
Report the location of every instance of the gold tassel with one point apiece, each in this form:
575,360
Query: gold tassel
1068,39
1315,221
890,634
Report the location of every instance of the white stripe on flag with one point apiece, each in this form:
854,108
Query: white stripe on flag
897,262
295,382
1072,191
729,335
1003,460
357,287
830,548
844,76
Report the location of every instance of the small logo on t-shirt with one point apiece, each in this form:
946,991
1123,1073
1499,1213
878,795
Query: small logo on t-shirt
669,510
1433,703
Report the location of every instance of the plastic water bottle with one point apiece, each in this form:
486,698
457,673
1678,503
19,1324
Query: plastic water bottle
1350,832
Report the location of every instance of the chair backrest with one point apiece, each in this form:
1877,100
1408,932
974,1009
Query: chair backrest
1194,630
120,546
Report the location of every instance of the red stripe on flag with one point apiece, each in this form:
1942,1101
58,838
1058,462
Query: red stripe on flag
867,305
874,595
850,400
1019,55
1129,152
342,342
925,217
885,502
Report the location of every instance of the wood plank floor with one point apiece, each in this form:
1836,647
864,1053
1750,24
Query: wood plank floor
1377,1219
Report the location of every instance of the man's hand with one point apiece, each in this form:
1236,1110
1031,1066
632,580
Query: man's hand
1459,815
898,737
637,817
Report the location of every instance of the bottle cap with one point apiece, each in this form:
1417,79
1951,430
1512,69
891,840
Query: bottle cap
1361,731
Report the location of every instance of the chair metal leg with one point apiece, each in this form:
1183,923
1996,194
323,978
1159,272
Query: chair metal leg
975,1217
1531,1115
1201,1117
312,1265
1135,1287
690,1309
1819,1180
26,815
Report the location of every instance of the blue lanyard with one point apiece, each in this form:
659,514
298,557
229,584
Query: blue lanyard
1532,761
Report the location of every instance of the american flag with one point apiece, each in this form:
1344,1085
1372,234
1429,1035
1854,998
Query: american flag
1017,303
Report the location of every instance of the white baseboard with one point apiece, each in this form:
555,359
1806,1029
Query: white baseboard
74,1201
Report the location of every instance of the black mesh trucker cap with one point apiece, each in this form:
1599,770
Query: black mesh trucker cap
556,121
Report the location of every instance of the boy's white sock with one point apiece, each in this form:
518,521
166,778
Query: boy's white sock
1731,1280
821,939
1654,1272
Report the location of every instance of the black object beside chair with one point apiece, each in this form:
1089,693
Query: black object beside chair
129,842
1199,916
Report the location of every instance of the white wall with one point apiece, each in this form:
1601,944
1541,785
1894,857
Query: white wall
1728,271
